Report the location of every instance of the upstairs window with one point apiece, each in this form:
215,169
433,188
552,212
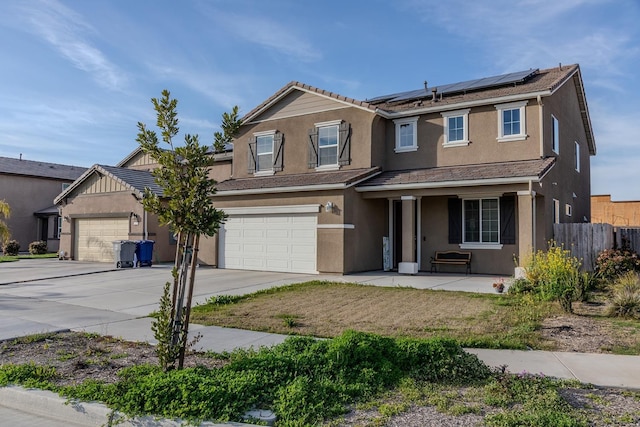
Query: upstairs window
577,156
330,145
406,134
511,121
265,152
456,128
555,135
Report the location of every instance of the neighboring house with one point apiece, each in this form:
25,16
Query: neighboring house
487,166
105,205
618,213
29,188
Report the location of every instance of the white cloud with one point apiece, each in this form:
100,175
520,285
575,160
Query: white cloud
267,33
67,31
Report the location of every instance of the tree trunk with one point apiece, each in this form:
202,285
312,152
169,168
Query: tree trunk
187,308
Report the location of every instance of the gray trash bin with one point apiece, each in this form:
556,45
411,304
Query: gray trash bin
123,253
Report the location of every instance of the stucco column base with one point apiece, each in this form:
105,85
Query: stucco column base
408,268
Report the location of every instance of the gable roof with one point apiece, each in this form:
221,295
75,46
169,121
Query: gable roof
460,176
134,179
39,169
292,86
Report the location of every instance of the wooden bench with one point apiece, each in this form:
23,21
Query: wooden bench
451,258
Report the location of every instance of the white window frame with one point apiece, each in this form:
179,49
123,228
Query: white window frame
465,123
266,171
501,108
413,121
555,134
556,211
480,244
336,124
568,209
577,156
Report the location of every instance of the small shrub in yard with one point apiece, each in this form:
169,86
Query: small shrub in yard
625,296
613,262
11,248
554,275
38,247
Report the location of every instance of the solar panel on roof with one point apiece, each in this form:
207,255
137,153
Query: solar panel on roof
475,84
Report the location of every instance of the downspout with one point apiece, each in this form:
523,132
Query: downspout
533,216
541,121
144,225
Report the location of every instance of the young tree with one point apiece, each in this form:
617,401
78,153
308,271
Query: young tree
5,212
230,126
186,208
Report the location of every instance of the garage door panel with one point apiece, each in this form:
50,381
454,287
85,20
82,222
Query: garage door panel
95,236
271,242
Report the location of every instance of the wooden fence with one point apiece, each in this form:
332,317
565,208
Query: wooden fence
586,240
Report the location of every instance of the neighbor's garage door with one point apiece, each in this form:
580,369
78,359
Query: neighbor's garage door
270,242
95,236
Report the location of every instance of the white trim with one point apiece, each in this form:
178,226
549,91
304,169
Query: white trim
526,193
475,103
337,226
446,115
480,221
407,198
568,209
329,123
419,231
324,168
288,116
391,234
466,183
266,172
475,245
266,210
556,211
406,121
576,156
521,105
264,133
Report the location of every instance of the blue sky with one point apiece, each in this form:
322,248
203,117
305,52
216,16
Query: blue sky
77,75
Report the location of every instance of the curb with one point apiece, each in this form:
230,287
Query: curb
48,404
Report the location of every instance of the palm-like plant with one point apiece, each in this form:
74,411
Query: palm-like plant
5,212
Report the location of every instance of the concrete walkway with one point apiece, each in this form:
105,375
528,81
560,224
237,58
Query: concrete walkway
50,295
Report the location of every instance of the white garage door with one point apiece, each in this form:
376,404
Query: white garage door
270,242
95,236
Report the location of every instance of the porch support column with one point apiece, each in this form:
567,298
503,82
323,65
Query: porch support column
526,223
408,264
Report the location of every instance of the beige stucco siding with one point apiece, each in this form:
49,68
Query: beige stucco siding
296,140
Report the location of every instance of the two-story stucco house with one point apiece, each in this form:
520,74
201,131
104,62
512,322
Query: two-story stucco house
29,187
320,180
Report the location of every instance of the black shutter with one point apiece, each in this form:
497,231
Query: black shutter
455,220
278,152
508,220
344,147
253,150
313,148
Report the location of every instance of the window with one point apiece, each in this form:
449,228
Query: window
555,135
577,156
57,226
481,221
568,209
330,145
265,152
456,128
406,134
556,211
511,121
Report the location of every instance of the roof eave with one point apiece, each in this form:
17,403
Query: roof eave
444,184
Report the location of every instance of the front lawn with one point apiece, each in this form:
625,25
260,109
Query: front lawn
327,309
12,258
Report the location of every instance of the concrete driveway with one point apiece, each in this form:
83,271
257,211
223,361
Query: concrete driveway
49,295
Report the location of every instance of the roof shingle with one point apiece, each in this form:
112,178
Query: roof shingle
40,169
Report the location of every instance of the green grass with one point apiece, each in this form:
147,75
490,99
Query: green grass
12,258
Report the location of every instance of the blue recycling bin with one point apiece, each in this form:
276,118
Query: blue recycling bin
144,252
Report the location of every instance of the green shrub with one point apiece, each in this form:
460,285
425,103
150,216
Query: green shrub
625,296
39,247
304,380
11,248
555,275
28,375
611,263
